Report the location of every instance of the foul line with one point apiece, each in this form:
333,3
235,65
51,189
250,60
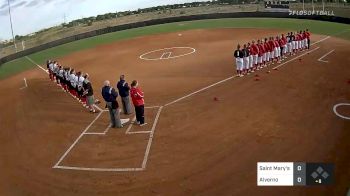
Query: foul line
29,59
200,90
321,40
296,58
320,59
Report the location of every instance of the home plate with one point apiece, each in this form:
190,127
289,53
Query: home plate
124,121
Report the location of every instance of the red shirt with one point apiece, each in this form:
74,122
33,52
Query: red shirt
280,42
272,45
277,44
261,49
307,35
249,49
267,47
137,96
284,39
254,49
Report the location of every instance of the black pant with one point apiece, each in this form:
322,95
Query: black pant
140,114
281,53
308,43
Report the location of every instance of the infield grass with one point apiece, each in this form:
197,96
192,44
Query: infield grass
316,27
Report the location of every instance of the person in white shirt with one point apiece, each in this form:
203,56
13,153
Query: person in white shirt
73,84
80,80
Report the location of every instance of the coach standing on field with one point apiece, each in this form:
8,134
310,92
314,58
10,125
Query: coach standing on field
110,96
124,90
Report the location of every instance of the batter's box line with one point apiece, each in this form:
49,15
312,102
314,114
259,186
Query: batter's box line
134,119
145,158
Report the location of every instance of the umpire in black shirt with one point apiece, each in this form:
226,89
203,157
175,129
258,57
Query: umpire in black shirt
110,96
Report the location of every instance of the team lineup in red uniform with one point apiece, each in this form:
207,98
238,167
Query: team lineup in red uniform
255,56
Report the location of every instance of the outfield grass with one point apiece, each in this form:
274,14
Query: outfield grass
316,27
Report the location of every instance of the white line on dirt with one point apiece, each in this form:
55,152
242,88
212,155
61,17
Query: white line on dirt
94,133
76,141
151,107
280,65
138,132
336,112
29,59
321,40
106,130
25,84
97,107
131,123
200,90
148,149
100,169
328,53
164,54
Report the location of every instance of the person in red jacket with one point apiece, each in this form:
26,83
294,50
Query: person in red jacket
277,50
260,54
268,51
254,51
137,97
308,38
272,50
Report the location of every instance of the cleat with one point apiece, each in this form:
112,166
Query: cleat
141,125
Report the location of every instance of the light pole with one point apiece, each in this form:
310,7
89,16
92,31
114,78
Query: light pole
13,36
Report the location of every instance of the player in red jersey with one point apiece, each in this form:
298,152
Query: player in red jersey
272,49
254,51
277,50
268,51
308,35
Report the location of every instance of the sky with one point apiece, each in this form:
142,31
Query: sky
29,16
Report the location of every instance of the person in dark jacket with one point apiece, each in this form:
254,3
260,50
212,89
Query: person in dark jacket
110,96
88,94
124,92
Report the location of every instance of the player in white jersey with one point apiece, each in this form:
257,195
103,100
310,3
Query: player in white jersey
51,67
251,59
73,85
60,76
246,62
80,81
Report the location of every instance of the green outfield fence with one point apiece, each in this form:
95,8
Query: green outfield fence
163,21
